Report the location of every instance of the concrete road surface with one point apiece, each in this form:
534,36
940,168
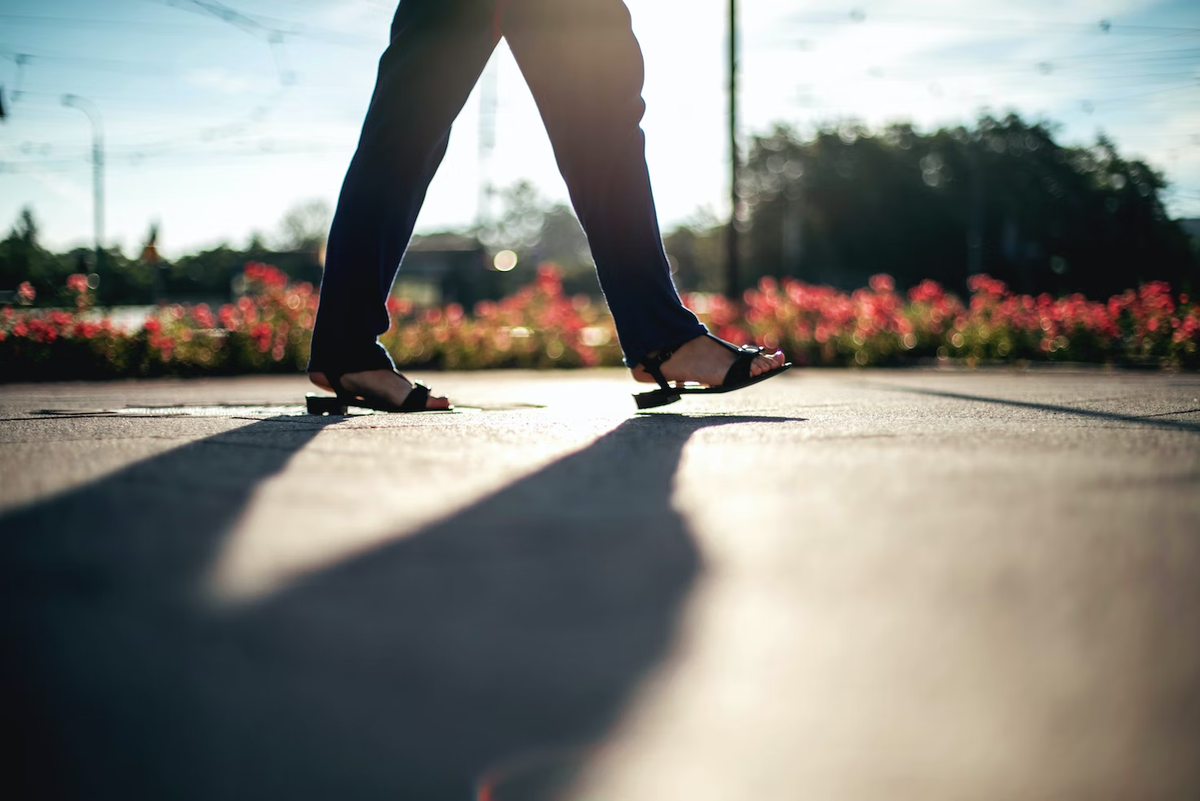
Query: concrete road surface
867,585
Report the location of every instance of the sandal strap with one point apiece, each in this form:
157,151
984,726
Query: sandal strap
417,398
755,349
739,371
653,365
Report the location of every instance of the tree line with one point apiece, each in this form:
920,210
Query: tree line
1001,197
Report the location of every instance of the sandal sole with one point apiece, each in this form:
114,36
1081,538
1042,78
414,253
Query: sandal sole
662,397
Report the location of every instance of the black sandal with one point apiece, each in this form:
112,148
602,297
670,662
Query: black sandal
339,404
737,377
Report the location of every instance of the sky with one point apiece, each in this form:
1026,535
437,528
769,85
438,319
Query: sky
218,117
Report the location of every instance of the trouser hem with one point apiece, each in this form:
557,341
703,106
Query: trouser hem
340,364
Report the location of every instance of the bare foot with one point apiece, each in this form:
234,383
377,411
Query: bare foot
385,384
706,362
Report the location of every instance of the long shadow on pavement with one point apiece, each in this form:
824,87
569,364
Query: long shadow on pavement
1154,420
100,612
522,622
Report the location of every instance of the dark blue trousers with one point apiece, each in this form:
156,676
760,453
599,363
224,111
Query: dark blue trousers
585,70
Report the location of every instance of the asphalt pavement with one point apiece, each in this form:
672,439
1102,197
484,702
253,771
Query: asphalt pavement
918,584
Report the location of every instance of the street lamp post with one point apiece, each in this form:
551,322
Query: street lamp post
93,114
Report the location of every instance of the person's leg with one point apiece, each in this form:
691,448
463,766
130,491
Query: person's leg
437,52
584,68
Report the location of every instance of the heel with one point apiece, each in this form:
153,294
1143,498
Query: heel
324,404
655,398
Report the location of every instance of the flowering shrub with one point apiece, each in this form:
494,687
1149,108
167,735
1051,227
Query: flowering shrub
537,327
265,330
268,329
877,325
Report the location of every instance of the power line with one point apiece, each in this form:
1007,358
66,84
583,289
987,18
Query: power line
101,64
270,29
273,37
1193,85
1116,48
1053,65
338,38
265,149
1191,52
30,20
1101,27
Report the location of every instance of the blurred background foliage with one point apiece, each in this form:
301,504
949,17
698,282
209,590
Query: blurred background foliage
1001,197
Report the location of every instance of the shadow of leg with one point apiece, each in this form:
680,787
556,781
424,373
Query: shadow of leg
523,622
100,616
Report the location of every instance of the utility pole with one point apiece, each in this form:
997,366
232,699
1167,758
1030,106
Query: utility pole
93,114
731,240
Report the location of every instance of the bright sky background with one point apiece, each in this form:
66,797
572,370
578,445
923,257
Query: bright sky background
205,136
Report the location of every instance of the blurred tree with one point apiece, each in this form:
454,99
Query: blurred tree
305,227
125,281
210,274
1002,198
151,261
150,249
697,254
22,258
539,231
207,271
519,225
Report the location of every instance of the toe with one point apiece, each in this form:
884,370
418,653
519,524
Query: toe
437,402
761,365
767,363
